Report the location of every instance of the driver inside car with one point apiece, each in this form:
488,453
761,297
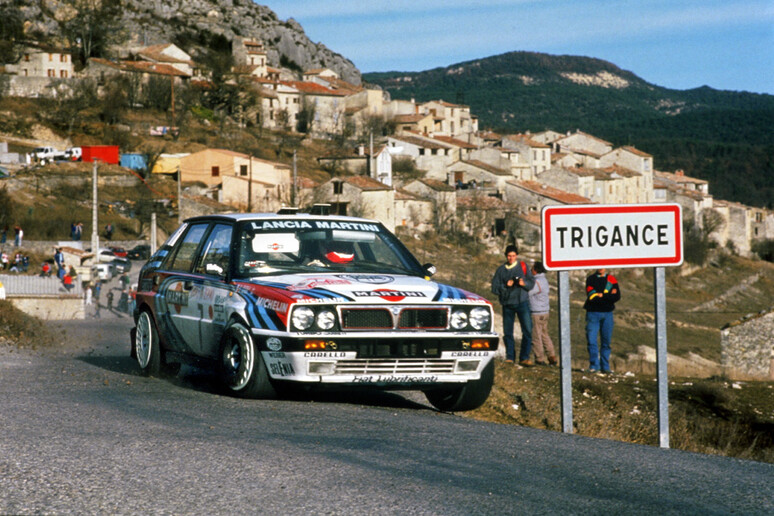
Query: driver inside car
333,253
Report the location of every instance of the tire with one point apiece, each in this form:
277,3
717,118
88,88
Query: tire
243,371
467,397
147,350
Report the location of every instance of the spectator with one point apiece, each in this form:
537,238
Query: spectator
602,293
60,264
109,231
4,260
539,305
18,235
97,290
78,231
45,270
67,281
87,293
25,264
4,235
125,282
110,300
511,283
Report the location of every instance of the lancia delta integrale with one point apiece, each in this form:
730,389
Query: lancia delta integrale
268,299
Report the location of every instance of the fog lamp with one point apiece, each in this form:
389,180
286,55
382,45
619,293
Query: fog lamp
466,366
322,368
479,344
314,344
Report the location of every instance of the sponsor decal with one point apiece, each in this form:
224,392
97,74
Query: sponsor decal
274,344
388,294
177,297
281,369
271,304
281,224
277,355
373,279
395,379
308,283
325,354
470,354
267,225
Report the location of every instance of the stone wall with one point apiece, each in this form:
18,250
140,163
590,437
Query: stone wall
747,348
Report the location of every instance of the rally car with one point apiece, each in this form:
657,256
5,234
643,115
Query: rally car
269,299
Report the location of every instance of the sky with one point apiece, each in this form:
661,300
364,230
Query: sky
679,44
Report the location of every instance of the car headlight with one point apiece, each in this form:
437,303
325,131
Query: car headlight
326,320
303,317
479,318
459,319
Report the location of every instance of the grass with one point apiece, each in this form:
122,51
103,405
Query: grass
22,330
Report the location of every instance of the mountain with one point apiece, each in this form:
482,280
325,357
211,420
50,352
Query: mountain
722,136
193,25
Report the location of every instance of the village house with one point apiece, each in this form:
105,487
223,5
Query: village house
327,107
477,175
580,142
631,158
441,195
359,161
532,196
483,216
39,65
413,212
171,55
413,123
104,70
432,156
534,154
210,166
250,57
359,196
450,119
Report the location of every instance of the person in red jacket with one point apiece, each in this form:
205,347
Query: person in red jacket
602,293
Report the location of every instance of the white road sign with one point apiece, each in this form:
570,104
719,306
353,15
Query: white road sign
601,236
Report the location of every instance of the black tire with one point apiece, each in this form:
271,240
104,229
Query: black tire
147,349
242,369
467,397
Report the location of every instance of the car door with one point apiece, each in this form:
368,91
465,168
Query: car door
210,294
180,311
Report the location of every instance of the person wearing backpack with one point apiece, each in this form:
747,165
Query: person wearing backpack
511,283
602,293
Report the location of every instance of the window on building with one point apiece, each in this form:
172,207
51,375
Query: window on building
242,170
51,73
338,187
63,73
27,58
50,57
63,58
215,171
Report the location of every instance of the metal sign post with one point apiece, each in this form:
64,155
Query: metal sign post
564,350
659,286
603,236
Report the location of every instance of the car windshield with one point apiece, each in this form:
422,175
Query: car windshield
271,247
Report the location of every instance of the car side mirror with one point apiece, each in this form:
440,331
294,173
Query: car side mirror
429,269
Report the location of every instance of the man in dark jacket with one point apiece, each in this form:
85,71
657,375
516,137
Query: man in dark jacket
602,292
511,283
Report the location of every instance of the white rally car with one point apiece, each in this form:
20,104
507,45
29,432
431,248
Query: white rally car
269,299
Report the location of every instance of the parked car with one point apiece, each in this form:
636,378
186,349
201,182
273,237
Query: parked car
121,265
118,251
139,252
73,154
47,154
103,271
268,299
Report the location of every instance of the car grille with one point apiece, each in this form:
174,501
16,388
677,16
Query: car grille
386,367
426,318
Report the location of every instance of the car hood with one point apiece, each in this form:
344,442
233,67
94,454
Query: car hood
359,288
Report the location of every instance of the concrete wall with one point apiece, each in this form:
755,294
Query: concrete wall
747,348
50,308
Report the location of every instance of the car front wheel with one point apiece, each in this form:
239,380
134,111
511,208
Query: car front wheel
146,345
242,367
467,397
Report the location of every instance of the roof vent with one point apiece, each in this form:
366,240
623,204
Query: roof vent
320,209
287,210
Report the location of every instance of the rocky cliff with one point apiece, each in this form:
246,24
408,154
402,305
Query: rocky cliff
188,23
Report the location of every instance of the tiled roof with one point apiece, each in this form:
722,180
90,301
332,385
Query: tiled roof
483,202
404,195
489,168
419,142
20,285
636,151
312,88
437,184
531,218
140,67
588,136
454,141
680,178
366,183
306,182
525,139
551,192
408,119
621,171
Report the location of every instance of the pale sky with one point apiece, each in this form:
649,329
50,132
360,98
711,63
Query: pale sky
680,44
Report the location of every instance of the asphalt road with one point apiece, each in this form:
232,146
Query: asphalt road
81,432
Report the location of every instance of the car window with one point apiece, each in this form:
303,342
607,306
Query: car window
215,252
186,249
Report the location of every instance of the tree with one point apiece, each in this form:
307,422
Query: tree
95,27
73,98
11,31
305,117
157,93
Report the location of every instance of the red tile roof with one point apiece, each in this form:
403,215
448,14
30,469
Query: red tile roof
489,168
551,192
312,88
366,183
436,184
636,151
525,139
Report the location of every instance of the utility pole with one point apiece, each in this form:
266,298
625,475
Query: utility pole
371,164
250,188
293,192
153,242
179,197
94,206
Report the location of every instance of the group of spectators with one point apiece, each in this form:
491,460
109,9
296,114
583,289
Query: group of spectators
20,263
523,294
18,235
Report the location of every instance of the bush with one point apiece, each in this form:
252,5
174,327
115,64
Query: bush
764,249
25,330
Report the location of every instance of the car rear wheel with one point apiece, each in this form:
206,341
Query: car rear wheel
146,345
467,397
242,367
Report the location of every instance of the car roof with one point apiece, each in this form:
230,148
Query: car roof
239,217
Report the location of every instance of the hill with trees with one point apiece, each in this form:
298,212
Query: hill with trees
722,136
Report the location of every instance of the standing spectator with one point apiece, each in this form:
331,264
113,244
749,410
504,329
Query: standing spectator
72,230
97,290
511,283
109,231
60,264
18,235
25,263
4,235
125,282
78,231
87,293
539,306
602,293
110,300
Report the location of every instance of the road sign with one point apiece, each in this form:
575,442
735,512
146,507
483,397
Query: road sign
602,236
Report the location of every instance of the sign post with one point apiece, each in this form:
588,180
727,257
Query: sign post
613,236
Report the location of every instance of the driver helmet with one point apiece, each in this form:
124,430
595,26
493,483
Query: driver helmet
339,252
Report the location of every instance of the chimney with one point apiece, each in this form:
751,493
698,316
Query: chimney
679,172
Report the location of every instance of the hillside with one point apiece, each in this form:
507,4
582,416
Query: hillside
724,137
